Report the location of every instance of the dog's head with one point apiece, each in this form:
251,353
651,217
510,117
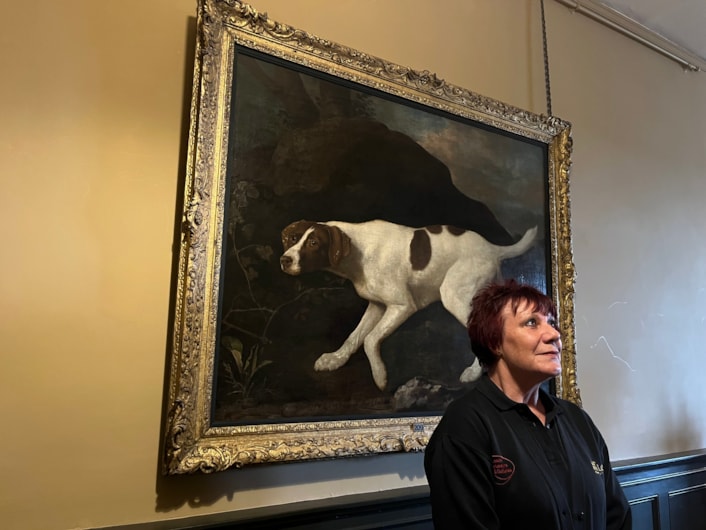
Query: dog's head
310,246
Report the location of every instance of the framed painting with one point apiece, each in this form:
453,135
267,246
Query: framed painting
317,315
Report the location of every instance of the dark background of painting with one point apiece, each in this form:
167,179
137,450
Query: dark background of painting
304,146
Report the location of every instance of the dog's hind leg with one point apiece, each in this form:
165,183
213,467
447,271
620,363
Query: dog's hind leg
457,291
459,287
471,373
334,360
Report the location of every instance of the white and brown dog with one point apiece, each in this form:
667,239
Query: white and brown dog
399,270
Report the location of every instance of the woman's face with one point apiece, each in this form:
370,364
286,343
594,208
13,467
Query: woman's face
531,343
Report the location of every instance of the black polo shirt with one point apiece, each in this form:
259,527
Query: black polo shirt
491,464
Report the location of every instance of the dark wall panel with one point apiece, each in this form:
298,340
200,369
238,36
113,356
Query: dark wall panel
687,508
665,494
645,513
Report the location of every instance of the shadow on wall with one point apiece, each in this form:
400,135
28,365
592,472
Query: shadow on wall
205,489
681,433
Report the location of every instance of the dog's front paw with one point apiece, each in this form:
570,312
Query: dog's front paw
472,373
329,361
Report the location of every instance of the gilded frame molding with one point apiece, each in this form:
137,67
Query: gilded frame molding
192,441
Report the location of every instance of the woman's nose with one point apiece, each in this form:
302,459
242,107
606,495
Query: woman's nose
553,334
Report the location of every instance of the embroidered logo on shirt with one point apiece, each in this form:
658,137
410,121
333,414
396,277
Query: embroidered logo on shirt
597,469
503,470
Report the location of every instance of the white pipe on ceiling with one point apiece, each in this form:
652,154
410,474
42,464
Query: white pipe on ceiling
636,31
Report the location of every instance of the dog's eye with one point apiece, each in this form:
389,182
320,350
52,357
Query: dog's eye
313,242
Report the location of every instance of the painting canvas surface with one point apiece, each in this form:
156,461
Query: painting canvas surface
304,145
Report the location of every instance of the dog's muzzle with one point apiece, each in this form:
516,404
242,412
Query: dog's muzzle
286,262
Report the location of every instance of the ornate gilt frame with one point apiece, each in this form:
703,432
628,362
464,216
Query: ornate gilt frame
192,441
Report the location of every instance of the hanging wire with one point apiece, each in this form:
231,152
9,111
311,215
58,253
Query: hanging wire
546,63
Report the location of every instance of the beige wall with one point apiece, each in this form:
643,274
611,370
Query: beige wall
91,151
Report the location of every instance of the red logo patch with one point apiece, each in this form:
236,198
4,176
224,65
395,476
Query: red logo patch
503,470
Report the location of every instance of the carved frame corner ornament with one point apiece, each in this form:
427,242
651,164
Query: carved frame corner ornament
193,442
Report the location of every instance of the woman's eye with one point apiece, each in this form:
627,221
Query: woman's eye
531,322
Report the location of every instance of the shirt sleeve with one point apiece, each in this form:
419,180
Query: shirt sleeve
460,486
618,514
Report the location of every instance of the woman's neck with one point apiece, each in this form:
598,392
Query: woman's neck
517,390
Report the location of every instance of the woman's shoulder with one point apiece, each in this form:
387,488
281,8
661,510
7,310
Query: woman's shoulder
470,412
569,407
577,415
473,399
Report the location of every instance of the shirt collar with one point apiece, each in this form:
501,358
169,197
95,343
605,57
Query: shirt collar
497,397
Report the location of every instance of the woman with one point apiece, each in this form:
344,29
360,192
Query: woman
508,455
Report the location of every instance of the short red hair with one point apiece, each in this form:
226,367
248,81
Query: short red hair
485,323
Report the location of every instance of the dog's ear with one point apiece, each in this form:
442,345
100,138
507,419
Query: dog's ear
293,232
340,245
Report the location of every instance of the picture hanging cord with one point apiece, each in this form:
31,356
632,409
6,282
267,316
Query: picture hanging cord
546,63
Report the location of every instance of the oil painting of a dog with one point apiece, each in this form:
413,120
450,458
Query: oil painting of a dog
398,270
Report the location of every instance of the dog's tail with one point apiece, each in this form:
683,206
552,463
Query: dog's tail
522,246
